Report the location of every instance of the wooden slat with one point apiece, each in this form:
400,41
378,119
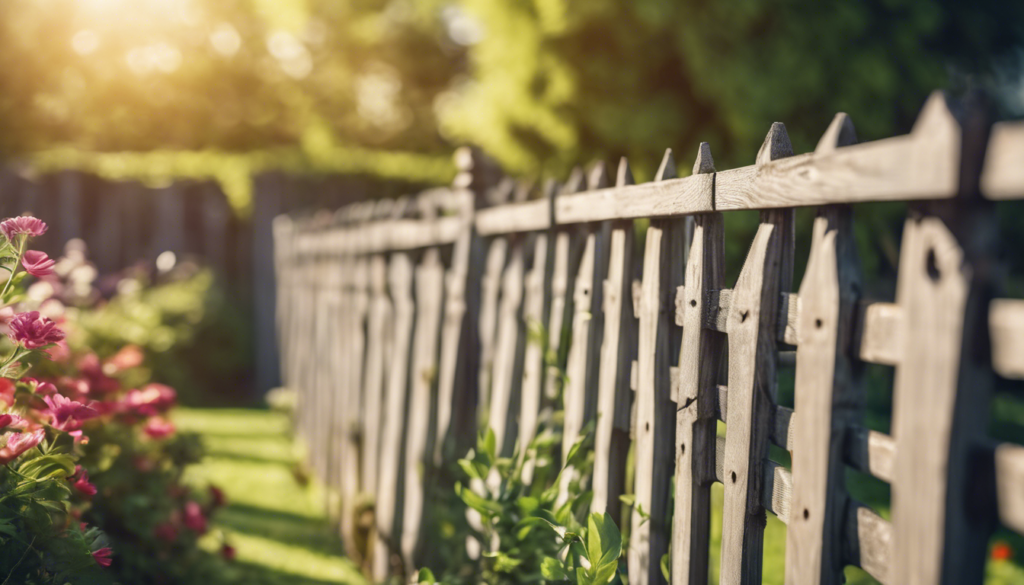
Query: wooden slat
528,216
1009,460
699,360
921,165
869,542
377,327
508,352
882,326
354,346
663,198
490,290
1003,175
826,395
752,330
611,437
927,513
871,452
536,305
1006,323
422,382
777,494
655,416
389,484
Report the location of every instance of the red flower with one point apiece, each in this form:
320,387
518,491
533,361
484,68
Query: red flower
25,224
80,480
33,331
18,443
66,414
228,552
1001,552
13,421
37,263
217,497
102,556
194,518
166,532
6,391
158,428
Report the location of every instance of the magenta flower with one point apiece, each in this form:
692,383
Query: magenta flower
34,331
18,443
102,556
151,400
67,415
80,480
194,518
13,421
37,263
158,428
25,224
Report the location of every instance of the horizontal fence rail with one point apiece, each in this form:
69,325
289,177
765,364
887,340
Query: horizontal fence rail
406,324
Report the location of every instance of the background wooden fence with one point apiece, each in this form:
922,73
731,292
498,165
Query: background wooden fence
401,319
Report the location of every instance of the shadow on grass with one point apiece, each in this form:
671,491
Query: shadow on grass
310,533
256,574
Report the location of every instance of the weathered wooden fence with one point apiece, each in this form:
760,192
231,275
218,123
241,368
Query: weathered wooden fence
400,319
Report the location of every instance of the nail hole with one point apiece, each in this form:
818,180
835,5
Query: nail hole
818,323
807,514
693,302
744,315
734,477
682,448
647,426
932,266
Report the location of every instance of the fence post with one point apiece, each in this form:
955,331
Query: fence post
751,330
655,415
266,204
699,359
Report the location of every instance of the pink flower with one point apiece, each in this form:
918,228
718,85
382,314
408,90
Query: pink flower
151,400
80,480
130,356
7,391
102,556
194,518
67,415
158,428
13,421
79,437
37,263
43,388
25,224
18,443
33,331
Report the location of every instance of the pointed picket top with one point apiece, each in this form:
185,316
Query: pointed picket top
382,209
597,178
705,163
502,192
549,189
576,181
522,190
667,169
840,133
776,145
624,176
936,119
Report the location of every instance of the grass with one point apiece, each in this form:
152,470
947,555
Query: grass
277,525
280,531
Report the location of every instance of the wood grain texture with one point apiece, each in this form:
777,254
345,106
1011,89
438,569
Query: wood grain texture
881,328
921,165
700,356
827,393
870,452
869,542
1003,175
932,289
536,306
611,436
655,415
490,290
526,216
390,480
378,322
508,352
420,433
663,198
1006,323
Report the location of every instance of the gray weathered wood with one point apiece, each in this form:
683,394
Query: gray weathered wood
826,395
490,287
527,216
376,362
508,352
699,362
655,416
611,436
536,304
389,482
752,330
869,542
1006,322
1009,460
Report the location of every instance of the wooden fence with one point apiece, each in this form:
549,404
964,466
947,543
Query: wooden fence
400,319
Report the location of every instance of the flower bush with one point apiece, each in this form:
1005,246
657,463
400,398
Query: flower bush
91,467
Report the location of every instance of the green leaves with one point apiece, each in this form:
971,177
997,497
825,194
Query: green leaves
48,467
604,546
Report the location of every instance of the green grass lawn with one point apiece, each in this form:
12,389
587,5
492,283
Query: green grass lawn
280,531
277,526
